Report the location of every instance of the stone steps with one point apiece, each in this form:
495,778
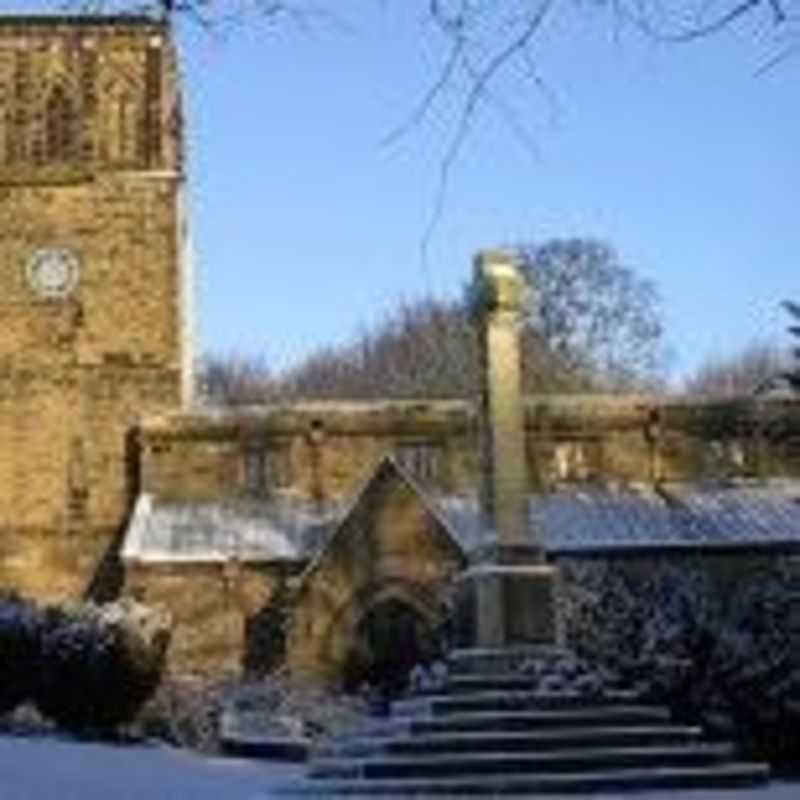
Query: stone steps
628,715
535,720
730,776
514,741
493,734
515,763
508,700
483,682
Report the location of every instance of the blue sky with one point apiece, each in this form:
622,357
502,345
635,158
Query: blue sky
306,227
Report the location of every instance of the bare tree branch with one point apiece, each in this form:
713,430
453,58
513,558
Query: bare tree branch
483,41
480,79
640,14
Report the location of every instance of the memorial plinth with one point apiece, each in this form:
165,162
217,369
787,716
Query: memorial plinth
507,596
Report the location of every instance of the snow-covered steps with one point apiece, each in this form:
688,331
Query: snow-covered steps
485,682
731,776
539,719
526,720
515,742
506,700
492,763
492,733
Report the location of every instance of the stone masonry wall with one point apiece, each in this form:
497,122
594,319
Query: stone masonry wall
325,450
202,455
211,605
89,176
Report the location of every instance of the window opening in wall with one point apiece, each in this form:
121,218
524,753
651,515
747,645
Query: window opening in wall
60,126
127,149
422,460
266,468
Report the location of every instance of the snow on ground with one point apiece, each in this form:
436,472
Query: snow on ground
54,769
46,769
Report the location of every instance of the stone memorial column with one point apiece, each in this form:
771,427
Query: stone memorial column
507,595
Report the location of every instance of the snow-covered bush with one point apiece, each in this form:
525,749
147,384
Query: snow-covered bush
185,711
20,625
757,665
564,672
735,668
99,663
193,710
656,630
320,712
602,614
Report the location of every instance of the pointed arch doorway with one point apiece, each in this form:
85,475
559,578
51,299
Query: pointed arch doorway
391,637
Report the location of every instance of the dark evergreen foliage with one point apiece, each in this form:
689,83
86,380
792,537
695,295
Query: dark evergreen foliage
20,628
88,668
793,375
735,668
758,668
97,668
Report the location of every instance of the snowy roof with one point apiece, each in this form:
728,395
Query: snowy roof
583,519
672,516
572,520
170,532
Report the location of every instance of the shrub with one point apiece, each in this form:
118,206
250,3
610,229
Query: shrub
20,627
192,710
602,614
737,671
758,669
185,711
99,664
657,631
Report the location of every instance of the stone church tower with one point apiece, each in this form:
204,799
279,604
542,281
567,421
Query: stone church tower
93,290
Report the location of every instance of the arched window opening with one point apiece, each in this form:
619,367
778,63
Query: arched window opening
122,129
127,129
61,132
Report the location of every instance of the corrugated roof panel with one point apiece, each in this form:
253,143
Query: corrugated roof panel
672,516
574,519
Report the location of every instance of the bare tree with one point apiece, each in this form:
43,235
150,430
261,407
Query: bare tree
749,371
231,380
484,40
595,326
489,50
420,348
760,367
597,317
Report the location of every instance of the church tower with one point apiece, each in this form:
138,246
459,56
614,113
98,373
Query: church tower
93,291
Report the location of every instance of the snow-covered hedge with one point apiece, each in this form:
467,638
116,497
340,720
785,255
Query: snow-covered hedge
758,668
86,667
733,663
657,630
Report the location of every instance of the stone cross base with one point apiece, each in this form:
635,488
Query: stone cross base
508,601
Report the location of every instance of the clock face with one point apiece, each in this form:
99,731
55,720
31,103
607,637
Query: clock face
53,273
